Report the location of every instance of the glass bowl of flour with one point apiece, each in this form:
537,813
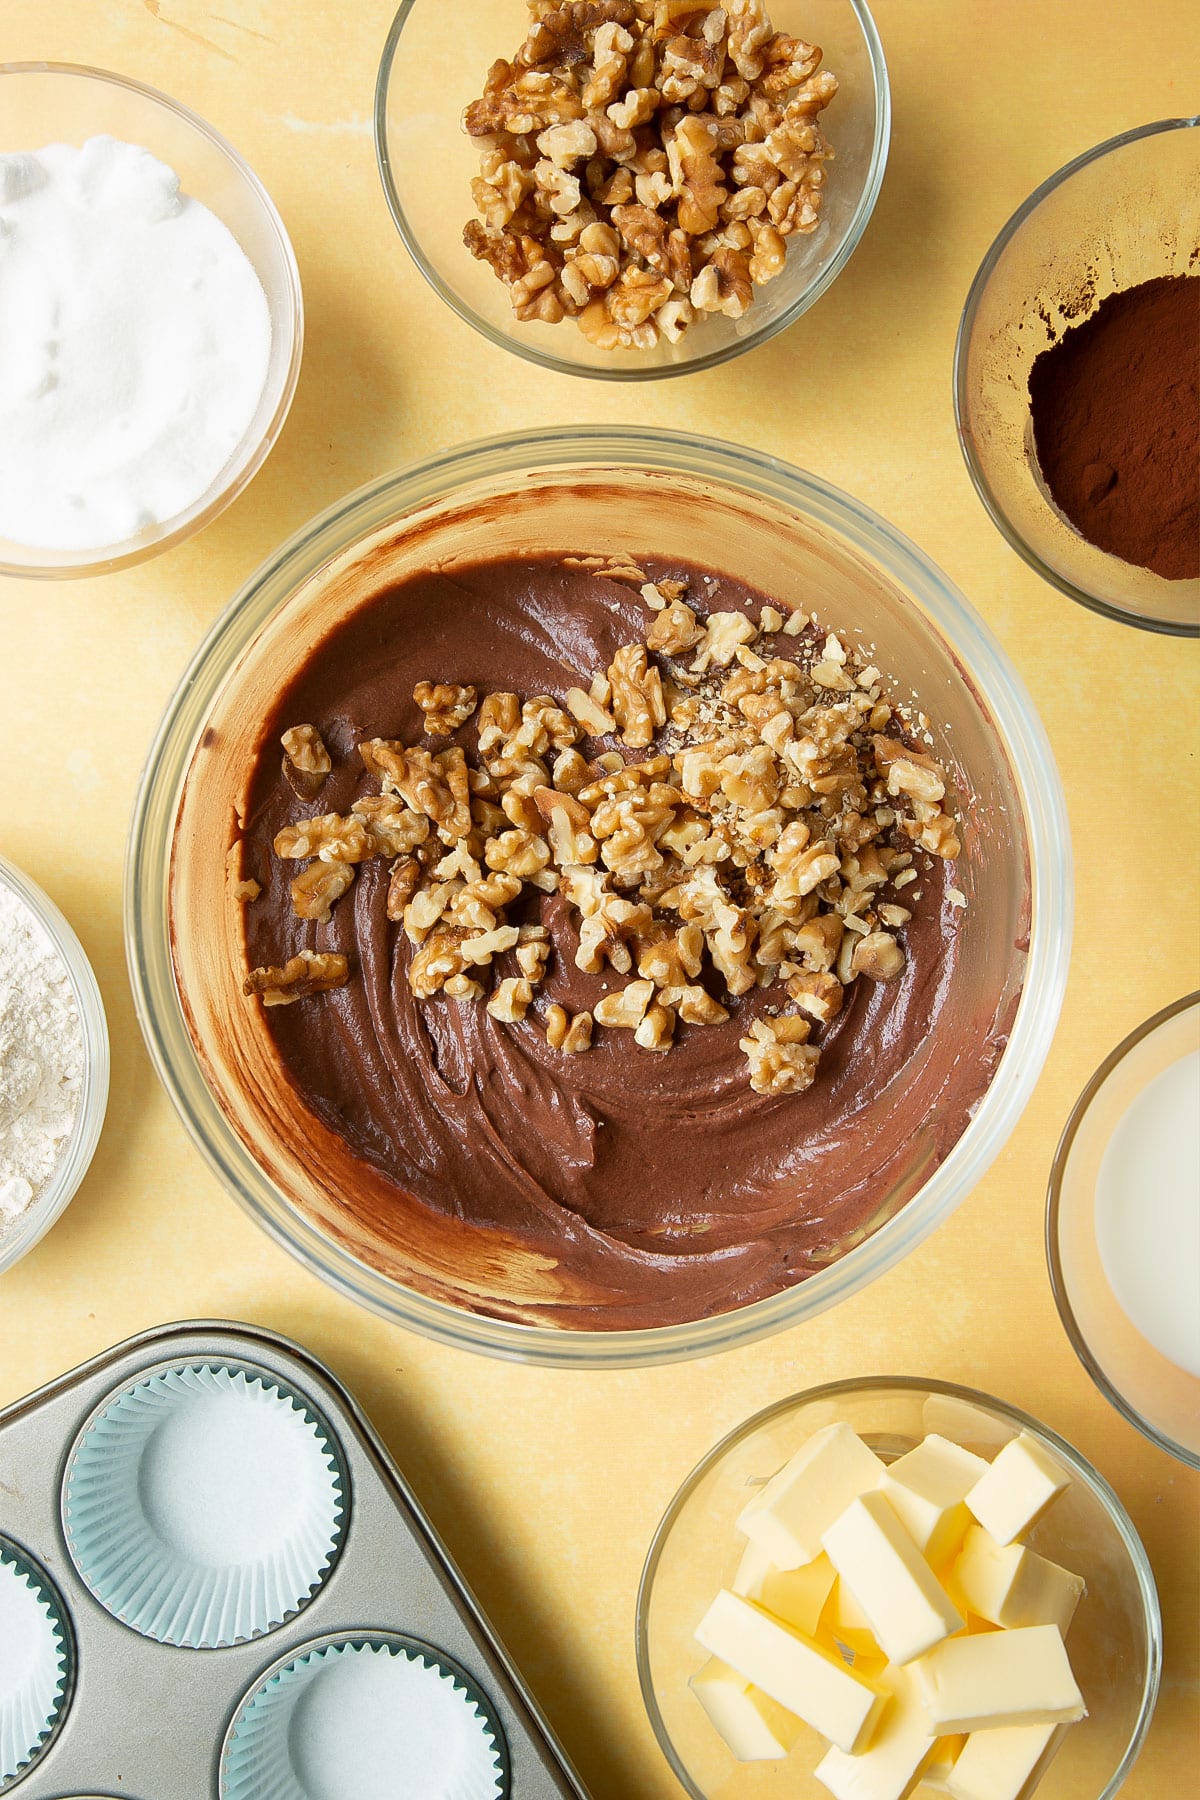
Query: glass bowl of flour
151,321
53,1064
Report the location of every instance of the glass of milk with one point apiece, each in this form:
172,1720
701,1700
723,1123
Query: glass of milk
1123,1228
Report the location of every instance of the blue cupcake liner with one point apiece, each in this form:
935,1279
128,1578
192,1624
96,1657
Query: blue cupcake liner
205,1505
35,1662
373,1715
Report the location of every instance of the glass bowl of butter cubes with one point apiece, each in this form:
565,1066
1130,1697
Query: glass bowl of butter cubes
893,1587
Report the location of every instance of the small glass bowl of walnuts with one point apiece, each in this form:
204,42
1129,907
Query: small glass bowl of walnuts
630,189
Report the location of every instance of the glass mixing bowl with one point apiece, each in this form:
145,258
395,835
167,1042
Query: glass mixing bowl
60,103
613,490
1115,1639
1121,214
429,75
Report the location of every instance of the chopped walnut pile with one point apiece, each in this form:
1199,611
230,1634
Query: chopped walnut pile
757,830
645,163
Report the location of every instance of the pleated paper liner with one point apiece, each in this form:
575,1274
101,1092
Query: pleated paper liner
373,1715
35,1661
206,1505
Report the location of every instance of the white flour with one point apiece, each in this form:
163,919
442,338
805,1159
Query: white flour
134,342
41,1058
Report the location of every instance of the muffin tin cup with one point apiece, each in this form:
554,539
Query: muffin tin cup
205,1505
35,1662
378,1715
145,1718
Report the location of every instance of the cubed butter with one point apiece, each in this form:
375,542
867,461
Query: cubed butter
1011,1585
999,1765
939,1767
928,1489
755,1728
797,1596
845,1620
906,1607
1017,1488
789,1515
995,1678
792,1670
794,1595
890,1767
754,1566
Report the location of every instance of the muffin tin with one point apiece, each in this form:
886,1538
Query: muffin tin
214,1581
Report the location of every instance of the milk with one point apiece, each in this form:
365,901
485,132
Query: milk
1148,1212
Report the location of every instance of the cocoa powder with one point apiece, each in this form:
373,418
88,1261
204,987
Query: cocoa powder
1116,424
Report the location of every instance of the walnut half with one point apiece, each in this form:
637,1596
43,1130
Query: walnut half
308,972
566,1033
306,761
446,707
781,1059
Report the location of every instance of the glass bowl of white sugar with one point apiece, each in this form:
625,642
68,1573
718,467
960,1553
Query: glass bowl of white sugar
151,321
54,1063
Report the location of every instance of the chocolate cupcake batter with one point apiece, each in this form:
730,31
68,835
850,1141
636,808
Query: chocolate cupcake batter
663,1182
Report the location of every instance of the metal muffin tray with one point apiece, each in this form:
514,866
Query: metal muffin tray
144,1717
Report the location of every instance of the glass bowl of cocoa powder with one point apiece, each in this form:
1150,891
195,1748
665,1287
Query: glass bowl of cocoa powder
1076,379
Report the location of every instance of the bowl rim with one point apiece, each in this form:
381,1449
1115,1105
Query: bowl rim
1058,1281
882,1384
516,455
562,365
202,511
71,1167
962,346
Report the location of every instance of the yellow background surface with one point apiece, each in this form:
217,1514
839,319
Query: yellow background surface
547,1485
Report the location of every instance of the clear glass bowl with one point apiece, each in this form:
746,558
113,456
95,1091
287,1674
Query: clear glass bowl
1120,214
19,1238
44,103
430,74
620,489
1115,1640
1153,1393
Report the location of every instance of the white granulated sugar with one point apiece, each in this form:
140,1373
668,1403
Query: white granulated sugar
134,343
41,1058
